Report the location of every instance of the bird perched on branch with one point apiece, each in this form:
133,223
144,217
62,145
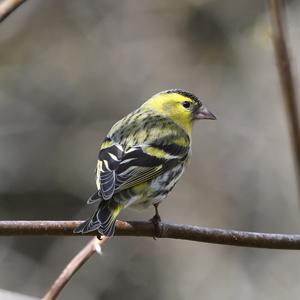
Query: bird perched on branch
143,156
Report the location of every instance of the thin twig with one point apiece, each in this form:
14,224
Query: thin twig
7,7
74,265
286,78
173,231
185,232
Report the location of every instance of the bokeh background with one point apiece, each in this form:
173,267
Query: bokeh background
70,69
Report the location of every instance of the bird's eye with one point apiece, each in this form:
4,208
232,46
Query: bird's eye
186,104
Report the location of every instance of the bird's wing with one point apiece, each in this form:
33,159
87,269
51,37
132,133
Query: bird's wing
118,169
143,163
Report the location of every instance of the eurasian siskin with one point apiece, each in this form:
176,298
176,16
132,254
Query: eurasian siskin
143,156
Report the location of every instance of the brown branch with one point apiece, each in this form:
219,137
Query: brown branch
185,232
74,265
174,231
7,7
286,78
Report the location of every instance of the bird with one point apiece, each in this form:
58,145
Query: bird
143,156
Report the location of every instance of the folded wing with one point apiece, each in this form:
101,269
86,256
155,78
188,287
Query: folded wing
118,169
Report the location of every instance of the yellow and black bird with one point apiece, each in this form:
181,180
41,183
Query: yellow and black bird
143,156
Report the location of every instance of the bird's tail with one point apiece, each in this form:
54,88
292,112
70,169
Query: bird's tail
103,220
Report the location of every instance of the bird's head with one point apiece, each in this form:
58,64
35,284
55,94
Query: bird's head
181,106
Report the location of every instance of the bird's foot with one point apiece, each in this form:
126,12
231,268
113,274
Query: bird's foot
156,220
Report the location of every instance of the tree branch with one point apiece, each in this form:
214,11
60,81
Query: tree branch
174,231
7,7
74,265
286,78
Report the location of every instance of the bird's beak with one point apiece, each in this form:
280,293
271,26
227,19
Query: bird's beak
202,113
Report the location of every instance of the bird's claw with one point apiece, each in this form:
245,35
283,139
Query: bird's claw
156,220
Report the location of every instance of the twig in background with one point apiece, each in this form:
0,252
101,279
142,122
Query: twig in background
74,265
173,231
7,7
286,79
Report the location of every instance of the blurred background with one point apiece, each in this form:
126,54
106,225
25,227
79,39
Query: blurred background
71,69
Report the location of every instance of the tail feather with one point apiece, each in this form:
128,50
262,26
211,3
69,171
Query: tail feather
103,220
